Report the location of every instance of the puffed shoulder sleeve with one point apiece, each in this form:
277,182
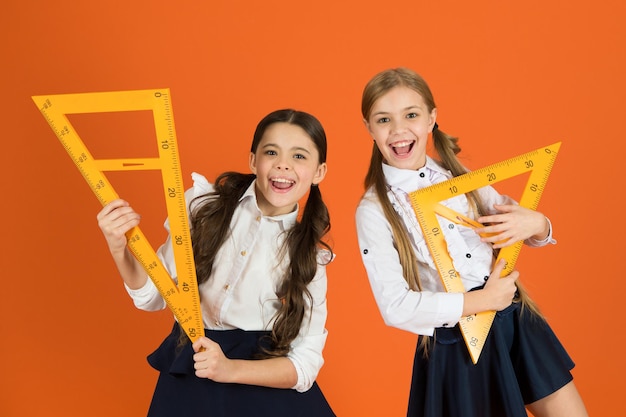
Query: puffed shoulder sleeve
201,186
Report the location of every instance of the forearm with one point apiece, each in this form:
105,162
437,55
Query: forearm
475,302
130,269
273,373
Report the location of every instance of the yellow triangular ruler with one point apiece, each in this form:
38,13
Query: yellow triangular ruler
426,203
182,297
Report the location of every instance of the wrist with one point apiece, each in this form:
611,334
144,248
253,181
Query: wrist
474,302
545,232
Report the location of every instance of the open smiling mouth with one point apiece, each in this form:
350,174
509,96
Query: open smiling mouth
282,183
402,148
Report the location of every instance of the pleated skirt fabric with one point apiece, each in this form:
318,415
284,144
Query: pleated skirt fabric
521,362
180,393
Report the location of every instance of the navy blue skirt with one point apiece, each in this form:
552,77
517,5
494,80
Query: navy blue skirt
179,392
522,361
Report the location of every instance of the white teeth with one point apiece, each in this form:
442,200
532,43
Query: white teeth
401,144
284,180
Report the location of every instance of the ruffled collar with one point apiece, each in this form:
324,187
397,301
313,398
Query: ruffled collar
410,180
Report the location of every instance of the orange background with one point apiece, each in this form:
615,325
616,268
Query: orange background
508,78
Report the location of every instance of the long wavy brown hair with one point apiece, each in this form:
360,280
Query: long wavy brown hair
447,149
210,227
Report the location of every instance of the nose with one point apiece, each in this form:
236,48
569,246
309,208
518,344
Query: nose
283,163
398,126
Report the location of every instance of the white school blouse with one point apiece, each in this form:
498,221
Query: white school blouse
421,312
241,292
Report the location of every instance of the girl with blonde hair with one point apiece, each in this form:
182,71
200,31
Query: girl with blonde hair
522,364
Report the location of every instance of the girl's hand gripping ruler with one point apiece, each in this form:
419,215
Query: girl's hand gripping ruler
182,298
426,203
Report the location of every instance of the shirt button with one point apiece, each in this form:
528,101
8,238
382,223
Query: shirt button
422,174
486,278
468,255
226,287
445,325
258,218
243,253
365,251
450,226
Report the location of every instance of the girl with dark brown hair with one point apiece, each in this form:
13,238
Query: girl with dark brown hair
261,273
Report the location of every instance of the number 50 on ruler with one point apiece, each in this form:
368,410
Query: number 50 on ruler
181,298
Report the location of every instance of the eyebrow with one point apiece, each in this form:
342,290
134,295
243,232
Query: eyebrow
295,148
415,106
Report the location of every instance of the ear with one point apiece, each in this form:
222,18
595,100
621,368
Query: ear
252,163
432,120
320,173
367,126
